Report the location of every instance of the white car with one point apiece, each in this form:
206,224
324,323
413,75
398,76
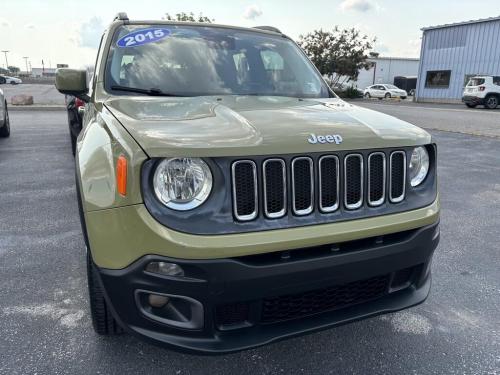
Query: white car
4,117
11,80
483,90
386,91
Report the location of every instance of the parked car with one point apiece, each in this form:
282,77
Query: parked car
4,117
75,107
345,90
234,201
482,90
11,80
386,91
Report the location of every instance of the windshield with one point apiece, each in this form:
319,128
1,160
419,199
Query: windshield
392,87
476,82
195,60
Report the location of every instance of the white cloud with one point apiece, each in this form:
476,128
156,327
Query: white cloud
358,5
252,12
91,32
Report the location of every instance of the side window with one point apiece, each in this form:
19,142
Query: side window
438,79
272,60
242,68
496,80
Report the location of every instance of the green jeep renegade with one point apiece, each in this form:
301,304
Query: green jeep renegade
229,199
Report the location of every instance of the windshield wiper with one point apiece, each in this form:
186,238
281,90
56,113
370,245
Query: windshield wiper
153,91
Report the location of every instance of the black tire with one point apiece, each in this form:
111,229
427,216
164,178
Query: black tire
102,319
387,96
13,83
403,97
73,143
5,129
471,105
368,96
491,102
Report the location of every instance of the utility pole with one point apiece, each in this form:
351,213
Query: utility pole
26,62
6,62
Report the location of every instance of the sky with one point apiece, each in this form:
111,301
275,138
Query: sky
68,31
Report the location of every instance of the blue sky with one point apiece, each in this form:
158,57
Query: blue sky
67,31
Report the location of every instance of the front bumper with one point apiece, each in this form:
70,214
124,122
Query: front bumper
253,300
469,99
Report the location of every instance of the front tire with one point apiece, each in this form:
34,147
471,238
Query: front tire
102,319
387,96
491,102
368,96
5,129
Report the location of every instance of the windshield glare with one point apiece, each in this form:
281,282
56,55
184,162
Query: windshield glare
195,60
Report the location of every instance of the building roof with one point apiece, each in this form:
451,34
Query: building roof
481,20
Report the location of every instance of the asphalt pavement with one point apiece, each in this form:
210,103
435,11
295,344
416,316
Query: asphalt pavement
45,325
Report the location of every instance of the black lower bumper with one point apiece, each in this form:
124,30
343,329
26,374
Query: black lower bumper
473,100
249,301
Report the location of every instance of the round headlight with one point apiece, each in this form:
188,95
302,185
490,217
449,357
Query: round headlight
182,183
419,166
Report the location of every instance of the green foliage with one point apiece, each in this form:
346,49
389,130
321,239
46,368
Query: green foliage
13,69
338,54
188,17
349,92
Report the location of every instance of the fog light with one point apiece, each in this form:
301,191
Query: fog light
165,268
157,301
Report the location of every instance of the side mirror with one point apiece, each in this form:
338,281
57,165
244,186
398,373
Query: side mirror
72,82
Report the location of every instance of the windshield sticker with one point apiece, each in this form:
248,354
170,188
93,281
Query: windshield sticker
143,36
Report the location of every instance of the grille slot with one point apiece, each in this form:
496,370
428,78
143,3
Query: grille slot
376,178
299,305
353,181
244,174
302,185
329,183
397,180
274,175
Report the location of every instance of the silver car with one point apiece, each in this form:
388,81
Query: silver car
4,117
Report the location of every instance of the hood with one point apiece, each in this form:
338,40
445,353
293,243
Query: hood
256,125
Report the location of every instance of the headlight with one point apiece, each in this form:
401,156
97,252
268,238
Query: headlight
182,183
419,166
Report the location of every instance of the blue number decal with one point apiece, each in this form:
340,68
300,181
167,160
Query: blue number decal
142,36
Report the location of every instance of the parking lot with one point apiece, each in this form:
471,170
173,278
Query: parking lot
44,318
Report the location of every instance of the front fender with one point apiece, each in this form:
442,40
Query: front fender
102,141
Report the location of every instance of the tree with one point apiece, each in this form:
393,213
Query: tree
13,69
188,17
339,54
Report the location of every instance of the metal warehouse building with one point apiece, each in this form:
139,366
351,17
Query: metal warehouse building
452,53
385,69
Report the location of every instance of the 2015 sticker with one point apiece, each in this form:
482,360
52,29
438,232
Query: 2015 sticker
143,36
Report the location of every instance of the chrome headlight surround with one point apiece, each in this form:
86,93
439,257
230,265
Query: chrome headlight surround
182,184
418,166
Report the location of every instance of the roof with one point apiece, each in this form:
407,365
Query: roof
470,22
393,58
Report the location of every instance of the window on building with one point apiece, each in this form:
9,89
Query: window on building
438,79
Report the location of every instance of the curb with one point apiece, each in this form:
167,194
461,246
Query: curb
16,108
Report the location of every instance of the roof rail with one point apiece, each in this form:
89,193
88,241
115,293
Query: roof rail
269,28
122,16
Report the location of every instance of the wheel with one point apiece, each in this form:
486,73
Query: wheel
491,102
13,83
102,319
5,129
367,95
387,96
471,105
403,97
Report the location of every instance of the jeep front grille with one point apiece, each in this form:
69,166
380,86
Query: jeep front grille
303,184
